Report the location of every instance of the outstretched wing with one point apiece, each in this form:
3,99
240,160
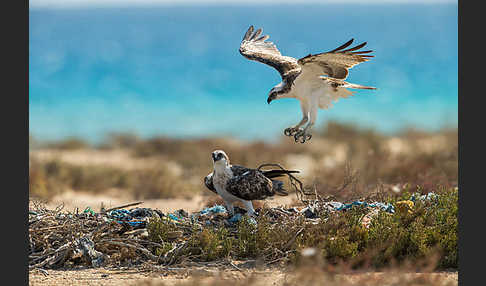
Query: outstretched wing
255,48
251,185
336,63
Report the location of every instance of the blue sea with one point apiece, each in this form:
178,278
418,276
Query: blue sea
176,71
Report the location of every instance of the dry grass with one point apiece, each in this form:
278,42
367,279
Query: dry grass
424,239
52,177
341,160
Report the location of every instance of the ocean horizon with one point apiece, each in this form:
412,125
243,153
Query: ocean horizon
176,71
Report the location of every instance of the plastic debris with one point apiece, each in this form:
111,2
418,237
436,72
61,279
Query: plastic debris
85,247
215,209
57,238
174,217
235,218
385,207
238,217
405,206
309,212
88,210
428,197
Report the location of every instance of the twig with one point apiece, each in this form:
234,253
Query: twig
54,257
236,267
292,240
292,179
121,207
142,249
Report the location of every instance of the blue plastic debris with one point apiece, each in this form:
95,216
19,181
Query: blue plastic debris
215,209
385,207
235,218
336,205
132,223
173,217
120,214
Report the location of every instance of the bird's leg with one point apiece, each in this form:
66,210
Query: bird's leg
249,208
291,131
303,135
230,208
294,129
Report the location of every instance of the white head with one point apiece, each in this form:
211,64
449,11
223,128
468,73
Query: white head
276,92
220,159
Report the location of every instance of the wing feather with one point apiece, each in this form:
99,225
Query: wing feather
256,34
336,63
256,49
354,48
208,181
248,34
251,185
345,45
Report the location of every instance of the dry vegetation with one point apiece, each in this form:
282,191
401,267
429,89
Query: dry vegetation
341,160
340,163
423,237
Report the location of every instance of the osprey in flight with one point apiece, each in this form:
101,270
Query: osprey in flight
236,183
315,80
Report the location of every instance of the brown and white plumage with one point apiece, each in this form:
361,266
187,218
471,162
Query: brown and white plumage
255,48
315,80
237,183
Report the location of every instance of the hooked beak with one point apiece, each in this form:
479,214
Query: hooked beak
271,97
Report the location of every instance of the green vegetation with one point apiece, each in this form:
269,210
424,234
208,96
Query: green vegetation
429,231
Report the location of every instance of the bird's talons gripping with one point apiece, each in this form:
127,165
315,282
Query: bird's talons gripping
302,136
291,131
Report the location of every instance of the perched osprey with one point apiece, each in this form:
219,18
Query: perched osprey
236,183
315,80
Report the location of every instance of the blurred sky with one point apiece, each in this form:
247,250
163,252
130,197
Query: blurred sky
118,3
174,70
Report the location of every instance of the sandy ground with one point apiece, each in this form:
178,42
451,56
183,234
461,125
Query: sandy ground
209,276
122,159
72,200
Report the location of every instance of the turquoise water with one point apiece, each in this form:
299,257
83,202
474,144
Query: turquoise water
176,71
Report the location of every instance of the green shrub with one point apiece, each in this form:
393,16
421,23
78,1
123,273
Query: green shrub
429,231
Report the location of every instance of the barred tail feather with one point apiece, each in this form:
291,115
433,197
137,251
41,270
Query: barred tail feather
277,173
357,86
341,83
